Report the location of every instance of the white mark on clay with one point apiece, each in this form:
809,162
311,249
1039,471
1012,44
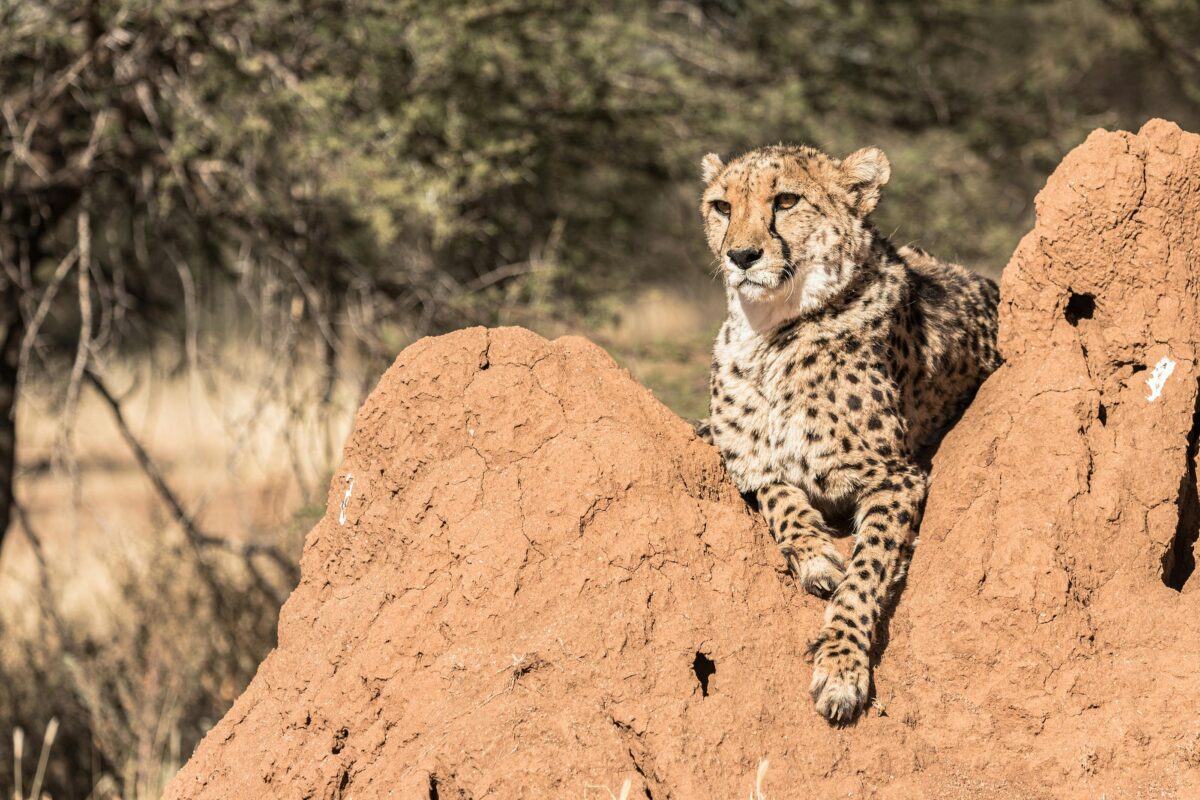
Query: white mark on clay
346,499
1158,378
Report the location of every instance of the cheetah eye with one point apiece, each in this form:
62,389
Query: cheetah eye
786,200
721,207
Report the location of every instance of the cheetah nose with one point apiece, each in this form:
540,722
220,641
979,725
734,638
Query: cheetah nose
745,257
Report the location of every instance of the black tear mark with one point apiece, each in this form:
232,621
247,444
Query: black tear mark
705,668
1138,368
1179,561
1080,306
1102,415
433,787
339,740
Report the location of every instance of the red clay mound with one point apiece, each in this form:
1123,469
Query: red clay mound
534,581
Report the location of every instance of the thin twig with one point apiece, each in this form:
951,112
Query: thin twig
43,309
503,273
83,349
190,317
66,450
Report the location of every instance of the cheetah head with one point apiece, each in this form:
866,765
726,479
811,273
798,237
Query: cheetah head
788,223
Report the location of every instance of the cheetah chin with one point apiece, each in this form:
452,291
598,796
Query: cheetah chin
759,291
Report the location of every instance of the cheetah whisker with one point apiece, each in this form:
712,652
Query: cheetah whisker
791,286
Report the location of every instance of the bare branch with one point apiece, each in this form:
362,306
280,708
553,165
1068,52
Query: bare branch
190,318
20,147
83,350
43,309
85,311
503,273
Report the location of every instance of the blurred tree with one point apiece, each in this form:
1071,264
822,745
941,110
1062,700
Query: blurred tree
405,153
1168,31
104,171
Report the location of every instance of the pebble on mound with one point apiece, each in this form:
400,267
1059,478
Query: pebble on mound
533,580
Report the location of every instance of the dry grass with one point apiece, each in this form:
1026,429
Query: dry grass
122,638
43,758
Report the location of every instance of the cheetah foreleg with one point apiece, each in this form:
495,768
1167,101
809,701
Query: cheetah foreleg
886,529
803,538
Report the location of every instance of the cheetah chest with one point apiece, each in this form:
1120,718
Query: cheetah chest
772,414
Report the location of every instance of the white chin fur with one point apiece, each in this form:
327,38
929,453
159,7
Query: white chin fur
756,292
764,309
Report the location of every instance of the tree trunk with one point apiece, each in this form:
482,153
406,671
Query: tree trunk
11,331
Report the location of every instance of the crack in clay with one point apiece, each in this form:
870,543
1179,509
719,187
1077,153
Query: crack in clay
633,740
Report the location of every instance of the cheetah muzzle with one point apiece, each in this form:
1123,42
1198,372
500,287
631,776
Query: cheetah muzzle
841,358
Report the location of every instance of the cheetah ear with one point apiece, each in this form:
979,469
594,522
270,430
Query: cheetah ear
866,171
710,167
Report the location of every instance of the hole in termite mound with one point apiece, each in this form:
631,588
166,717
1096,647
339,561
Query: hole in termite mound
705,668
1080,306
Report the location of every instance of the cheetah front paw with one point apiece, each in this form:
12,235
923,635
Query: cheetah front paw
840,679
820,572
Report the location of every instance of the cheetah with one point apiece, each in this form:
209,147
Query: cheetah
841,358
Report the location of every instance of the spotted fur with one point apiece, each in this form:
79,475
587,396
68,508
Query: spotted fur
841,358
